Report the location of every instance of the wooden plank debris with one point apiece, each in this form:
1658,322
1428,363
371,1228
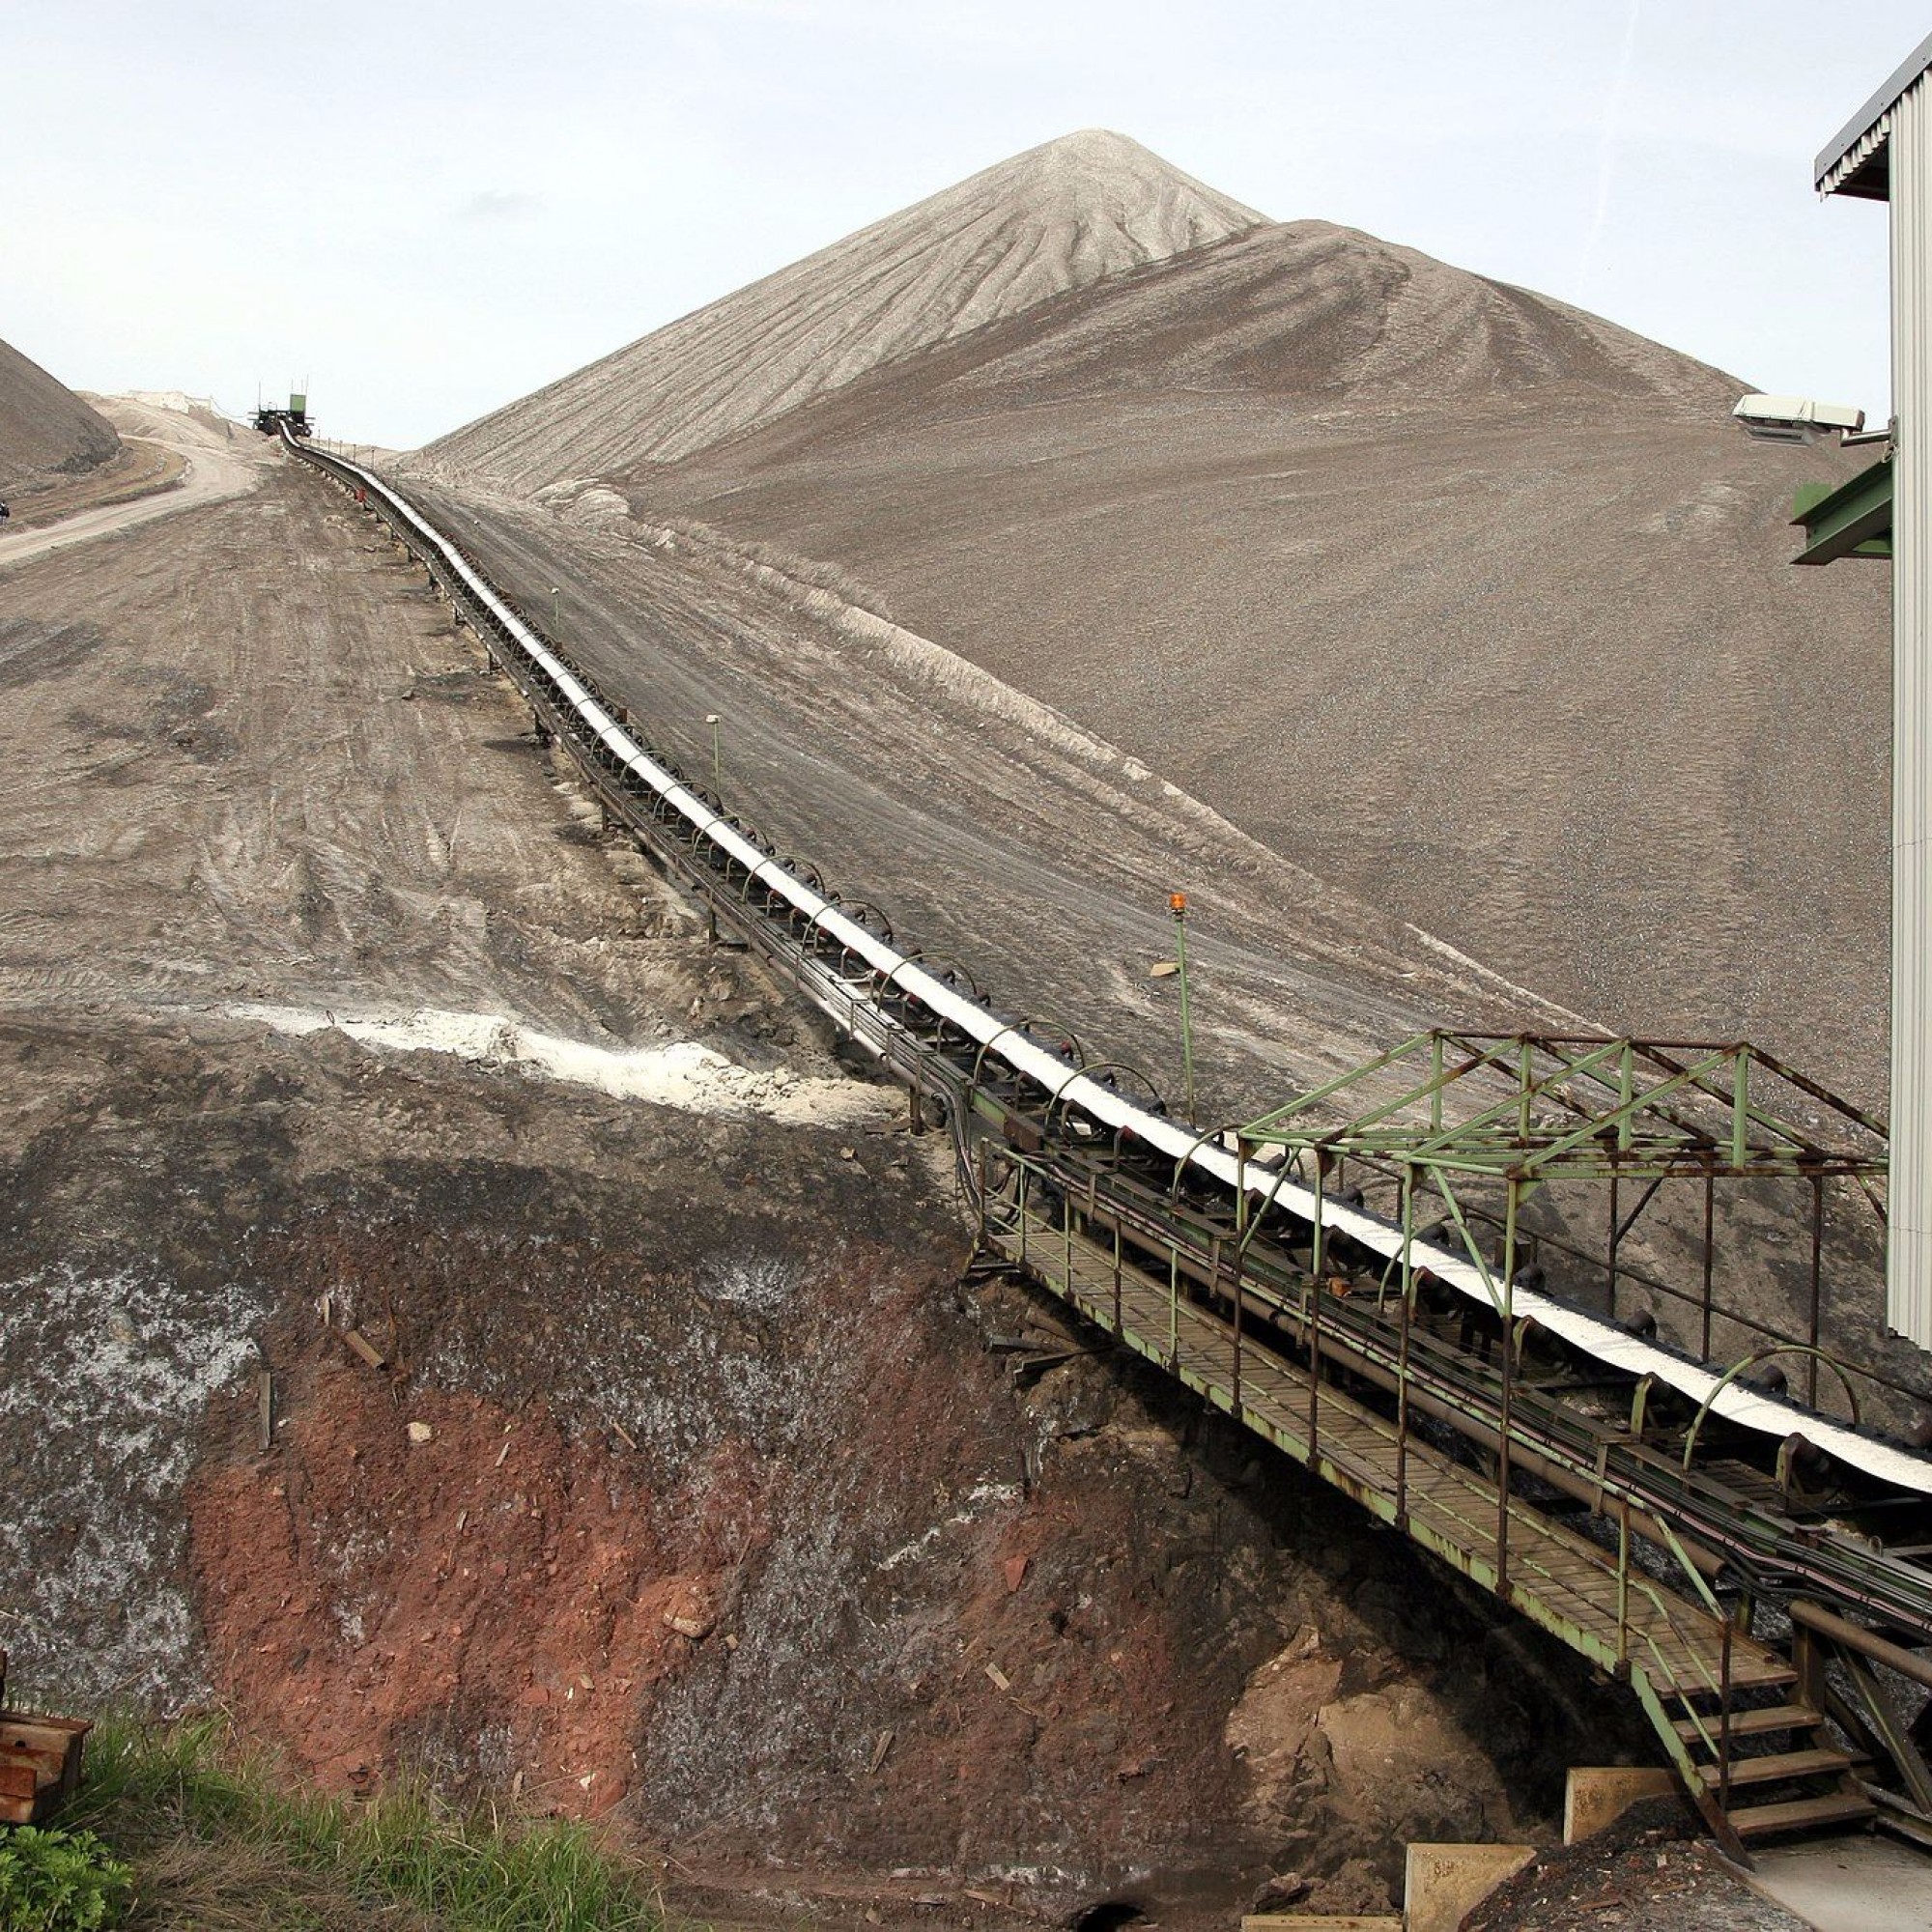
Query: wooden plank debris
361,1345
41,1758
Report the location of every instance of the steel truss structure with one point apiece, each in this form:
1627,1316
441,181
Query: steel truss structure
1750,1563
1463,1116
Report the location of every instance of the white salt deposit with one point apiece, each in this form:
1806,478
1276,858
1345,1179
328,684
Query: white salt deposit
178,402
682,1074
123,1365
982,1497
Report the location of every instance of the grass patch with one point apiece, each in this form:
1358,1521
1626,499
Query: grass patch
217,1840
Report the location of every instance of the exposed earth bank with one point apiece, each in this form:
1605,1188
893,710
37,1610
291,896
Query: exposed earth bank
720,1521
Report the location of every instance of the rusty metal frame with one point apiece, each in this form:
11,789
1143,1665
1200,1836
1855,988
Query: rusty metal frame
1449,1108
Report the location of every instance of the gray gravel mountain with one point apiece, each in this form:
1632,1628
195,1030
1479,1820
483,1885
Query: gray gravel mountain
1468,602
1064,216
1471,604
45,429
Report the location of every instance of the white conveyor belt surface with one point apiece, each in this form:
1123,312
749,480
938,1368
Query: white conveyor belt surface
1751,1409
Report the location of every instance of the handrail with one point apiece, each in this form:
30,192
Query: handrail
564,695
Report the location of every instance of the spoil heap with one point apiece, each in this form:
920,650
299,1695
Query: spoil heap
1065,215
45,429
1465,600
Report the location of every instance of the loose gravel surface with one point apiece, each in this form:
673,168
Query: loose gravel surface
1475,607
1467,603
993,832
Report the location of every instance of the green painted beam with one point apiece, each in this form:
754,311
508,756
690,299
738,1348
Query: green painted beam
1852,520
1533,1108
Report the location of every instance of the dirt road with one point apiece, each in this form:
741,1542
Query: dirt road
220,459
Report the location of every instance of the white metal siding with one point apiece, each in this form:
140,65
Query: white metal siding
1834,177
1909,1261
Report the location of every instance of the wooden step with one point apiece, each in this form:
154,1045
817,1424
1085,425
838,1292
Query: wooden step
1748,1672
1797,1814
1751,1723
1778,1765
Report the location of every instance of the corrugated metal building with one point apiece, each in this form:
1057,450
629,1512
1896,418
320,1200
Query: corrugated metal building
1885,153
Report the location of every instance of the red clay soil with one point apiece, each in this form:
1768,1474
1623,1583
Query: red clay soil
370,1597
380,1585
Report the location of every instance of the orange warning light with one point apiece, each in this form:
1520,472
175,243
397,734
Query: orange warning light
1178,902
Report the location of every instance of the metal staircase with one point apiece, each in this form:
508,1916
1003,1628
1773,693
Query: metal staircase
1745,1723
1761,1768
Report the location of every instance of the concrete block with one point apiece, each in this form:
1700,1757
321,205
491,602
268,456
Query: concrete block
1445,1882
1596,1795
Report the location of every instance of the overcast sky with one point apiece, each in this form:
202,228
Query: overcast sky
429,209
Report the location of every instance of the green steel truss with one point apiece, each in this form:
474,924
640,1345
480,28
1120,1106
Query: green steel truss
1534,1107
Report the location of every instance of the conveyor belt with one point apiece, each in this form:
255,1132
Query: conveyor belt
1072,1133
1887,1462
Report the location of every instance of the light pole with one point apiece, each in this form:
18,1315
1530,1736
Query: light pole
555,613
717,758
1178,905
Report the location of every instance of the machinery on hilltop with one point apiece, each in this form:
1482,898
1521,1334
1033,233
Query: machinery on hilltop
271,421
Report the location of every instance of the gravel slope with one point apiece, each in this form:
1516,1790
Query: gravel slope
1060,217
991,830
1470,604
45,429
1463,600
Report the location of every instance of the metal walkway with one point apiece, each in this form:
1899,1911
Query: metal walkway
1691,1668
1757,1569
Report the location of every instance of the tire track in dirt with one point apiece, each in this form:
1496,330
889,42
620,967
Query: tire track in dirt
275,803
